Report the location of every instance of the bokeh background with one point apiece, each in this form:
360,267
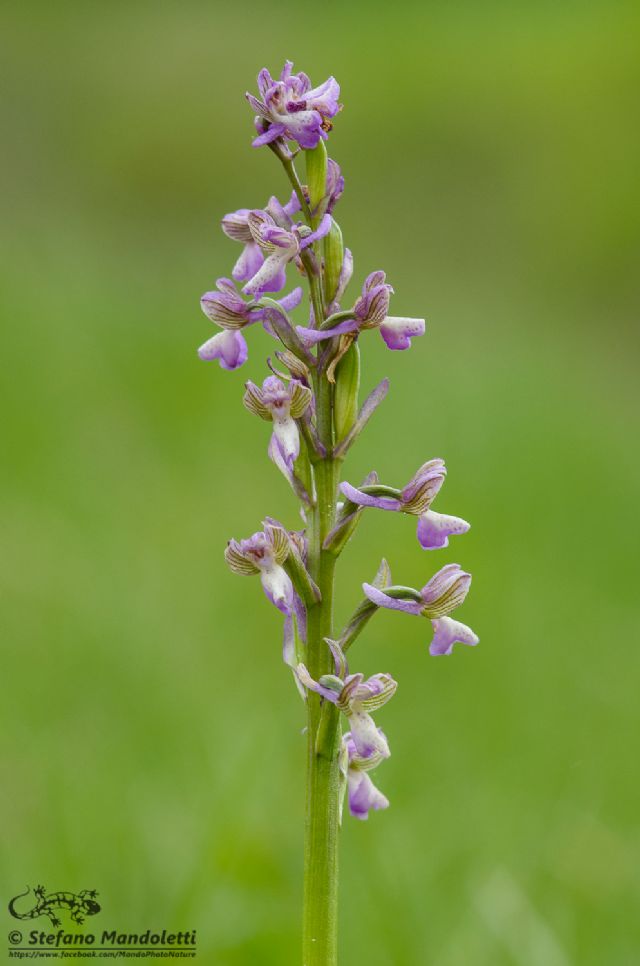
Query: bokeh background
151,738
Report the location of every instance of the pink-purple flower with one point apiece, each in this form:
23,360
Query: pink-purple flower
363,796
434,529
370,312
356,698
235,225
280,404
279,246
442,594
265,553
291,108
228,309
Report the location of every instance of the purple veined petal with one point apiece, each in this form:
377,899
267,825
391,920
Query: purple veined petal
302,82
292,206
270,277
445,591
292,300
312,336
287,436
373,280
304,126
447,632
278,213
249,263
325,97
265,81
226,286
274,235
278,587
229,348
434,529
366,737
323,229
398,332
258,106
235,226
374,693
380,599
272,132
363,795
285,74
366,499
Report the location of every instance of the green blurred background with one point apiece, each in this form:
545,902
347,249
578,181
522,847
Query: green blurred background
151,738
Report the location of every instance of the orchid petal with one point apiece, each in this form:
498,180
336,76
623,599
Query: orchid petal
380,599
398,332
366,499
448,632
363,795
311,336
228,347
434,529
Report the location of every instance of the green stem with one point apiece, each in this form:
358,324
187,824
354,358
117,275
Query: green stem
320,918
292,175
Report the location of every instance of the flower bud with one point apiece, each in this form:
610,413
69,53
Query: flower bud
316,159
346,393
333,259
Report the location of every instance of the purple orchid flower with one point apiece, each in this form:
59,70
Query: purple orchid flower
355,697
264,553
442,594
434,529
370,312
280,246
235,225
228,309
292,109
282,405
363,794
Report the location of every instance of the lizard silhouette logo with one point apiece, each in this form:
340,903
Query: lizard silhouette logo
78,905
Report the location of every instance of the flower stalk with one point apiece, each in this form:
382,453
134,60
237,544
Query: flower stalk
314,416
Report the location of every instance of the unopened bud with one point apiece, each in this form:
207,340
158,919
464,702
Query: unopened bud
347,388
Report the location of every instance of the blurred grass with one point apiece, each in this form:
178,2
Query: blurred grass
150,736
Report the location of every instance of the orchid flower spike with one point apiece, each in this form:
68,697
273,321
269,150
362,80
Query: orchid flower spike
291,108
228,309
370,312
434,529
355,697
442,594
282,405
363,794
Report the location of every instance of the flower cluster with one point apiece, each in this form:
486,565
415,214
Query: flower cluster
312,406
